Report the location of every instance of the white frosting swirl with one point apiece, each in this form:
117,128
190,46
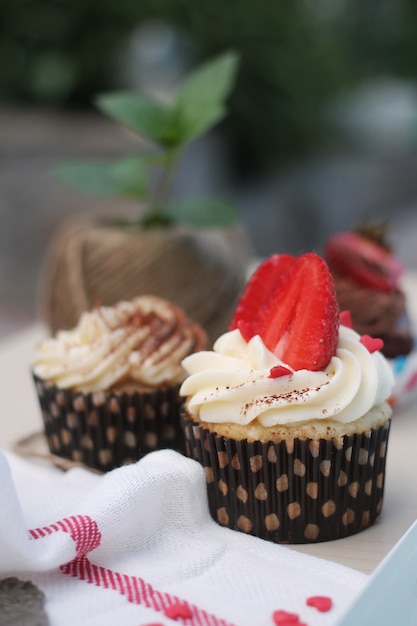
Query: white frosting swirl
141,341
232,383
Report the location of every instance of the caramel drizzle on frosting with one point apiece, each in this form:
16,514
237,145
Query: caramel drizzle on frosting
140,341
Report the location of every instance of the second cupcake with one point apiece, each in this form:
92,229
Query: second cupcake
108,389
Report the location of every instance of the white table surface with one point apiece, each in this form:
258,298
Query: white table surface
20,417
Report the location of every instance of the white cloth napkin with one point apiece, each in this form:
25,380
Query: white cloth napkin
126,547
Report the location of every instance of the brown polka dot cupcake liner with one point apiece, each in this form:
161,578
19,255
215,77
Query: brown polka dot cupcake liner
295,491
107,430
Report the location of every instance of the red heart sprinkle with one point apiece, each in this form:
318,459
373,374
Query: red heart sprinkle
278,371
283,618
363,261
345,319
321,603
177,610
372,344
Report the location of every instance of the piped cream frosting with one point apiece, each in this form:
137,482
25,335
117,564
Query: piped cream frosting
232,383
141,341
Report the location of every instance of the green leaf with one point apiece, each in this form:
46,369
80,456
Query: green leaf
204,213
132,175
201,98
126,177
151,119
199,105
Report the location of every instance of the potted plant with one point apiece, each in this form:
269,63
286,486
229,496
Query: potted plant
180,251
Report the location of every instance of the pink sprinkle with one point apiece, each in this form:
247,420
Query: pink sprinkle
177,610
278,370
345,319
372,344
321,603
283,618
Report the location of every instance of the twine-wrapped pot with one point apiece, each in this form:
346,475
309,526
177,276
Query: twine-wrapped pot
201,270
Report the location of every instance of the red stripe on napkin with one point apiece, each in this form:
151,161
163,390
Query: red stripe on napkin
86,535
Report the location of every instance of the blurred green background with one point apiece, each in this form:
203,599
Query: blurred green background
297,57
321,133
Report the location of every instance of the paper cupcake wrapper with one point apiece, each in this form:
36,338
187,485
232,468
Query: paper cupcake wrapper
107,430
299,491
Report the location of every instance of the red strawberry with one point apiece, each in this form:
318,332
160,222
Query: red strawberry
366,262
266,277
297,315
300,323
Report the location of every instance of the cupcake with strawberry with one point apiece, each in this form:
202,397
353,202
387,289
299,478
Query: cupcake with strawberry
288,412
367,276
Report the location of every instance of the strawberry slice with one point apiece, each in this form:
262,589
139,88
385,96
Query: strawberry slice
363,260
300,323
291,303
267,277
